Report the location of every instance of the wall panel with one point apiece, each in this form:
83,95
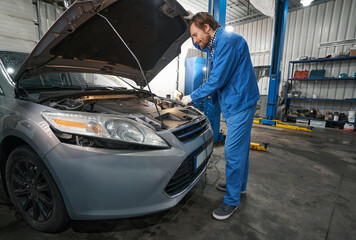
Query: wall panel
17,8
19,31
48,13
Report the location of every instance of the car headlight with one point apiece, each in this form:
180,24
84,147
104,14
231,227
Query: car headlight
103,126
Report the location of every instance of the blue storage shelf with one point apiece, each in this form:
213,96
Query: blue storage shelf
313,79
325,99
309,101
324,60
316,119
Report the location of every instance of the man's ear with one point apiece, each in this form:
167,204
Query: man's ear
206,28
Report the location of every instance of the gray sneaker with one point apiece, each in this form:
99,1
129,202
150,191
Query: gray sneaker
224,211
222,187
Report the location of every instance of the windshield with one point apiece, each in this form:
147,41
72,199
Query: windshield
75,80
13,61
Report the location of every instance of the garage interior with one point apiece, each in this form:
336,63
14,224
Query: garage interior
302,183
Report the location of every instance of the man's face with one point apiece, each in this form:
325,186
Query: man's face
200,36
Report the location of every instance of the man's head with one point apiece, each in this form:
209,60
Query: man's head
202,28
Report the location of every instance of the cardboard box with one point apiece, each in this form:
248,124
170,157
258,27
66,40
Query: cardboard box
352,52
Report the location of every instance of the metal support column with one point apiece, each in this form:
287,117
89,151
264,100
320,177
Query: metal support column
277,51
217,8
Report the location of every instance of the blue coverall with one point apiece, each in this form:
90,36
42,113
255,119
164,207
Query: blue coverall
233,83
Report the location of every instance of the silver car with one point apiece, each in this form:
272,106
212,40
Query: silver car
79,137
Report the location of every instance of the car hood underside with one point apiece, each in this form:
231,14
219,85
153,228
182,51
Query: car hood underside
81,40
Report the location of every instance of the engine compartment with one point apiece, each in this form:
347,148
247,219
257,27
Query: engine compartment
135,106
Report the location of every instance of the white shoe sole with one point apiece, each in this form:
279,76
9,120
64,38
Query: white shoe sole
217,217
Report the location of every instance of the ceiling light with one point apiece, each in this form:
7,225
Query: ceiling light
229,28
306,2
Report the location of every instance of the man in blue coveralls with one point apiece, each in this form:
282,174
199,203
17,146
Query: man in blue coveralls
233,83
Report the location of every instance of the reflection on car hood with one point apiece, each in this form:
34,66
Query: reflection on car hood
82,41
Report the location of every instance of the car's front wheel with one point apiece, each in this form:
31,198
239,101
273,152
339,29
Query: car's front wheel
33,191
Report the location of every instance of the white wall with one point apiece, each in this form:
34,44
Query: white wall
166,81
19,31
48,14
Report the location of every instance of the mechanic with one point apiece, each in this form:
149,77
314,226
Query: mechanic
233,83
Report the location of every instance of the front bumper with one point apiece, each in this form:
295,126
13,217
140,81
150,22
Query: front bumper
100,183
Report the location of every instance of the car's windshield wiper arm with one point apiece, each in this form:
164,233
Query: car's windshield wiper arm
104,88
51,87
73,88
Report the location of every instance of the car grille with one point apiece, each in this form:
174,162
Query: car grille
186,173
191,131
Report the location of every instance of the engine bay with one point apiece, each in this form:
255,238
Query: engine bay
135,106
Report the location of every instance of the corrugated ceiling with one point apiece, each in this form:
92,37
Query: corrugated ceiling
237,11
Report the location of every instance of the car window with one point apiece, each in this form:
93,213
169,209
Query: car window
12,61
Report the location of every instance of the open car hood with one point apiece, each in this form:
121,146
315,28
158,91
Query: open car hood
82,41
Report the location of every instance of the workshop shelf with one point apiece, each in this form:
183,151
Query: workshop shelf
322,73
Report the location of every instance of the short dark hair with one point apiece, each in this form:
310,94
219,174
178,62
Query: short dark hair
202,18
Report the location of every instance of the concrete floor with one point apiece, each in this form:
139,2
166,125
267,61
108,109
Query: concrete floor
303,188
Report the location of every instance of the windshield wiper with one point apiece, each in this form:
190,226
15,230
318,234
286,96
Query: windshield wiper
128,83
79,88
104,88
51,87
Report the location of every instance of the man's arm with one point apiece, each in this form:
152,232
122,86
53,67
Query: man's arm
225,63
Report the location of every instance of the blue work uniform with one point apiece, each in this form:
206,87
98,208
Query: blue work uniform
233,83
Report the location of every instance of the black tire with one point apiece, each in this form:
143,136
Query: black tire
33,191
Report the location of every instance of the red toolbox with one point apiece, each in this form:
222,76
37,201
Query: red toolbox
301,74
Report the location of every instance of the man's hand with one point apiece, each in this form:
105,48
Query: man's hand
186,99
177,95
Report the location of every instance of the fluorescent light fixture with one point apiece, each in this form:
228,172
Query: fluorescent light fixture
10,70
306,2
229,28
